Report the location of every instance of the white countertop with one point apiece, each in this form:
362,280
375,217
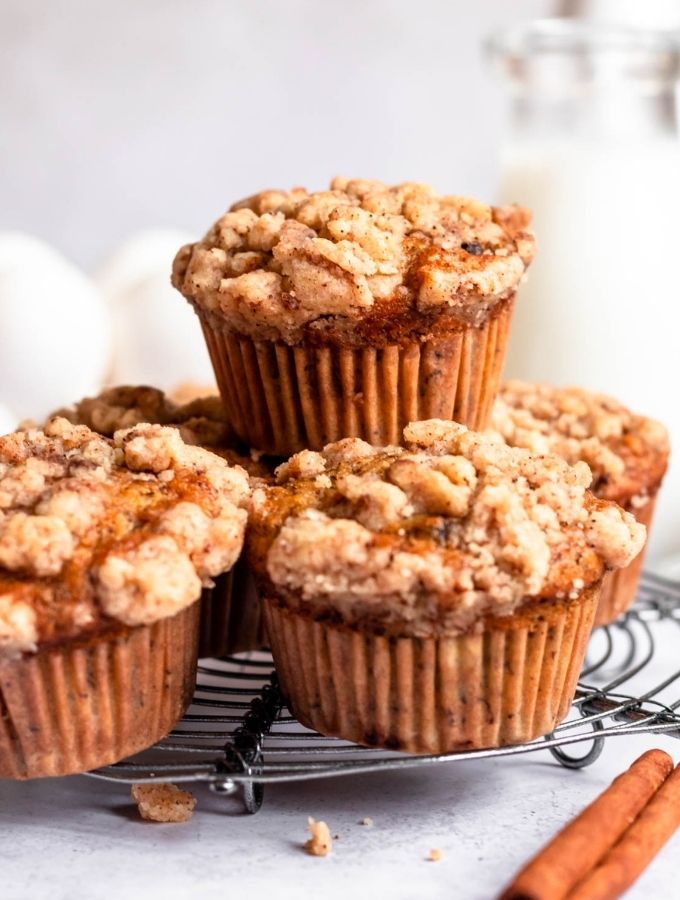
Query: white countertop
71,838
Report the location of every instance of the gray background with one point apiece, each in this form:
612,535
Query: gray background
120,116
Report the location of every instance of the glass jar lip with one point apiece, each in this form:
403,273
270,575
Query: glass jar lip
578,37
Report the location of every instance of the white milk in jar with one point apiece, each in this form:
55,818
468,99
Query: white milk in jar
593,151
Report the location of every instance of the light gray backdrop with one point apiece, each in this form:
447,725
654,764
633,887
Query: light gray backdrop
118,116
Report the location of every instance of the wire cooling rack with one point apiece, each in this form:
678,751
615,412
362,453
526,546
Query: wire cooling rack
238,736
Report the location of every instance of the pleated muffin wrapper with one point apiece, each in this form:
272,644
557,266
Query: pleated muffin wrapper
79,705
231,614
619,588
281,399
511,682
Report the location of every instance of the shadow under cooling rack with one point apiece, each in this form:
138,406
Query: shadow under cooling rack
238,735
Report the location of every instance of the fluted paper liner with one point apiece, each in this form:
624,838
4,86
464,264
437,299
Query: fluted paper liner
510,683
80,705
231,614
281,399
620,587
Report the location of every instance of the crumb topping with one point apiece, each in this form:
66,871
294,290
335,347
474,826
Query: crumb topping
281,260
18,624
320,843
138,586
95,531
436,534
627,453
186,391
163,802
201,421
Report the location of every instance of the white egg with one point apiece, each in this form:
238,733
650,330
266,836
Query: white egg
143,254
55,331
158,339
8,420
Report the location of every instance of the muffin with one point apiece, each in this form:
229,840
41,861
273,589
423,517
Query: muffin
434,597
186,391
231,615
627,453
352,311
201,420
104,548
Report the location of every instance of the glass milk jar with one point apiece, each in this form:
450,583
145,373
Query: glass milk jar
592,148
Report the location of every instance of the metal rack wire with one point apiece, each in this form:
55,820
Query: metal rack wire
238,736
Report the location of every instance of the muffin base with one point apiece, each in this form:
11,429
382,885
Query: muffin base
231,615
619,588
281,399
509,683
84,704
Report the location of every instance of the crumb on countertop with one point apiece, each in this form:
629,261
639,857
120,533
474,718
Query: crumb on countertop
163,802
320,843
367,821
434,855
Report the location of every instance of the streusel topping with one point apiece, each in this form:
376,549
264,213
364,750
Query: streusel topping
627,453
96,531
433,536
283,264
201,421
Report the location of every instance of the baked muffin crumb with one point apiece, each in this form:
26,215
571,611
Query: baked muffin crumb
163,802
320,843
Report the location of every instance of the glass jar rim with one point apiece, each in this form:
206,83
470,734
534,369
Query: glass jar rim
578,37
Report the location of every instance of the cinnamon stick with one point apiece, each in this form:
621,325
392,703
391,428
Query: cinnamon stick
626,861
580,846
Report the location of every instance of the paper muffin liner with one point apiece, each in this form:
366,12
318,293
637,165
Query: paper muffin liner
511,682
231,615
84,704
620,587
281,399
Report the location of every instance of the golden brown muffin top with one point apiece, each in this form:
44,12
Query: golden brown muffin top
201,421
186,391
627,453
97,532
362,261
428,538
